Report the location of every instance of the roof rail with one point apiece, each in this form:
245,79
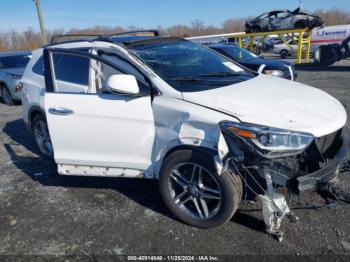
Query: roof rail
55,38
154,32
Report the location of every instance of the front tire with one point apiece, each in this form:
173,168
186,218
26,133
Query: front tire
6,96
195,193
300,25
42,136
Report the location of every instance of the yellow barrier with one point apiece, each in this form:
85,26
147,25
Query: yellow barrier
303,39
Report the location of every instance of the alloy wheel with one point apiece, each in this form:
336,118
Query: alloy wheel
42,137
195,190
6,96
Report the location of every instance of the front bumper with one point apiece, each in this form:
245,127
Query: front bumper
287,171
312,181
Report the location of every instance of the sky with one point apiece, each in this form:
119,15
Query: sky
67,14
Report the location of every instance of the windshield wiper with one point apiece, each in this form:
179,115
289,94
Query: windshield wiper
186,78
199,79
222,74
204,77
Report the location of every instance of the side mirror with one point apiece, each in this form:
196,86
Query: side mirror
125,84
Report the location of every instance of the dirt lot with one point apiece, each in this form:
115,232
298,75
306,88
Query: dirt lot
42,213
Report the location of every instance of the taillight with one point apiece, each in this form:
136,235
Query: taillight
19,87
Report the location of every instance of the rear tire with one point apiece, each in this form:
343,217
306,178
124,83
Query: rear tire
42,136
221,194
284,53
326,56
6,96
255,29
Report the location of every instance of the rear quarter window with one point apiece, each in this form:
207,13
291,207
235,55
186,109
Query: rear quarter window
38,68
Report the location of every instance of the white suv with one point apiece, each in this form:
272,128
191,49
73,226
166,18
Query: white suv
173,110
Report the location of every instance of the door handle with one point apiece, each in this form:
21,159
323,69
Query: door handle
60,111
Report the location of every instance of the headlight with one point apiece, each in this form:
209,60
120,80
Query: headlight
15,76
278,73
269,141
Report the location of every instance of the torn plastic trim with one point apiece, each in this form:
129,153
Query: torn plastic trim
312,181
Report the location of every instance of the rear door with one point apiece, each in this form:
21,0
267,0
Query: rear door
94,131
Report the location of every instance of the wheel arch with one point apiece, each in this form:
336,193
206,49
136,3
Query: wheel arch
210,151
206,150
33,112
2,84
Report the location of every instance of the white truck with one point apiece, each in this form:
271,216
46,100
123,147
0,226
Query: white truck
330,44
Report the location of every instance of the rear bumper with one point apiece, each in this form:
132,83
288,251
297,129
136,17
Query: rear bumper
295,75
290,74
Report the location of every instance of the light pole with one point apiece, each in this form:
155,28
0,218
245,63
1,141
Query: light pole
41,20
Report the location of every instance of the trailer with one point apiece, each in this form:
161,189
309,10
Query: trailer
328,35
331,44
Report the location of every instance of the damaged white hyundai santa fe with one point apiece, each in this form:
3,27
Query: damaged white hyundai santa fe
168,109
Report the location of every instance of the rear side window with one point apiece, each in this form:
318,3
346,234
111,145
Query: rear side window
38,68
14,61
72,69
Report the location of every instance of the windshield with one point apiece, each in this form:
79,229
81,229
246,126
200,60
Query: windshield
16,61
235,52
189,67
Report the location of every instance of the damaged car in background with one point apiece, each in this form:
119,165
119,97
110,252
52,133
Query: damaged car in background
256,63
283,19
169,109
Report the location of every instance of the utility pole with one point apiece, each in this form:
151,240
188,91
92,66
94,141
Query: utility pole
300,4
41,20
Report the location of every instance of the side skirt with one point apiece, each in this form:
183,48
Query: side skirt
76,170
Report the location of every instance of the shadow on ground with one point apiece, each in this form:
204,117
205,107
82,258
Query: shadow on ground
144,192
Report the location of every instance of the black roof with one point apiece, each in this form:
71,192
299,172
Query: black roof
150,41
4,54
115,38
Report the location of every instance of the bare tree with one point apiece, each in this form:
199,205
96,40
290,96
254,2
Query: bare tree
234,25
30,39
334,16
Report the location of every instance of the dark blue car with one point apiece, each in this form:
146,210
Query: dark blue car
255,63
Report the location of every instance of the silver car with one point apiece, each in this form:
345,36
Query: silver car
12,67
283,19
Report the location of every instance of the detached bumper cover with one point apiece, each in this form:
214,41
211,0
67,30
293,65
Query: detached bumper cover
333,148
312,181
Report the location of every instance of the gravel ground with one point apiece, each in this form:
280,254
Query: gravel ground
42,213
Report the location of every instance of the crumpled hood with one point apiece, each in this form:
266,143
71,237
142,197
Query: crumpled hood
16,71
276,102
